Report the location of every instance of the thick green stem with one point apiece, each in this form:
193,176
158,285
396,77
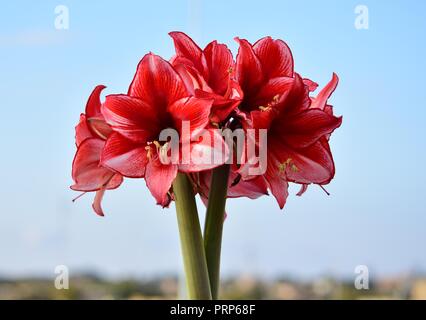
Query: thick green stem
214,225
194,258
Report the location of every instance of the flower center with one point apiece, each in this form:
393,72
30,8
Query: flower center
270,104
161,150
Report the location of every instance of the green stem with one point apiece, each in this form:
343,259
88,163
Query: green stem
214,225
194,258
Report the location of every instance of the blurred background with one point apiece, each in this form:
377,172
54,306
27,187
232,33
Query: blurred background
375,215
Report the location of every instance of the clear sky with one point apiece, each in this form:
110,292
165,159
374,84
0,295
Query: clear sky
376,212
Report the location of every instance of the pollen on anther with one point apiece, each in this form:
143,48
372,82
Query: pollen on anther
157,144
294,168
283,166
148,151
262,108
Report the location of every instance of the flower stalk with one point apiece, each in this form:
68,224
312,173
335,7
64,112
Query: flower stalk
194,259
213,227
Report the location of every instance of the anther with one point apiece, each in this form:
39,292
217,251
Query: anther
328,193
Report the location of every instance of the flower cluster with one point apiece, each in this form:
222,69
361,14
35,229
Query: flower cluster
207,88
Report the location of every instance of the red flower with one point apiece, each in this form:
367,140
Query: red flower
298,126
264,71
207,88
208,73
157,100
91,133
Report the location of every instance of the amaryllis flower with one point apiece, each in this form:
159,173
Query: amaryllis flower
90,135
298,133
320,102
208,73
264,71
298,127
157,100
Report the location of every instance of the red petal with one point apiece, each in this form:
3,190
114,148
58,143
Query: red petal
187,48
295,100
275,57
131,117
96,205
302,190
220,65
276,183
157,83
124,156
271,91
95,120
234,91
99,127
222,109
115,182
207,153
82,131
253,188
313,164
93,106
261,119
328,109
320,101
192,79
87,174
159,179
223,105
248,67
312,86
195,111
306,128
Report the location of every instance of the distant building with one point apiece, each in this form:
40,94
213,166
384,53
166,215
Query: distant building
418,291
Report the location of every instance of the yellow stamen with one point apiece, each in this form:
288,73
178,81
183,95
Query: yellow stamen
148,151
262,108
294,168
157,144
283,166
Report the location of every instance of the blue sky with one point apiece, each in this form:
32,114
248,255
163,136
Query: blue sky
374,216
